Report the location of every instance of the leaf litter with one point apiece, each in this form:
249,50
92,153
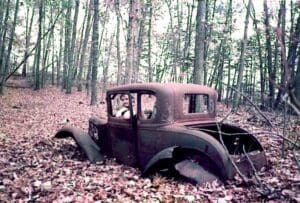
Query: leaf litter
36,167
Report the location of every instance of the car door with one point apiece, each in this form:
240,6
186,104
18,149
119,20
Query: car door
148,137
122,130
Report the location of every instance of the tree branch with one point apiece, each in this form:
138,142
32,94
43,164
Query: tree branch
255,106
35,46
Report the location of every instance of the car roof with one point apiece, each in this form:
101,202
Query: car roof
169,99
167,88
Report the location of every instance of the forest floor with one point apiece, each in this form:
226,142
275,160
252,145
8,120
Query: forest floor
36,167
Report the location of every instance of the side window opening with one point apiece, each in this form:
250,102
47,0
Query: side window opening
120,104
195,103
148,106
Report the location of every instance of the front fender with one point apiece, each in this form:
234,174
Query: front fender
85,142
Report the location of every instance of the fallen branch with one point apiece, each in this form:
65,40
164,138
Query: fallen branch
292,102
258,133
250,101
35,46
296,160
244,178
227,115
253,167
255,106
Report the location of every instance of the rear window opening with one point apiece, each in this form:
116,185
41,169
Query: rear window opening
148,106
195,103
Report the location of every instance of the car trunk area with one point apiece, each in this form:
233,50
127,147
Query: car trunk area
242,146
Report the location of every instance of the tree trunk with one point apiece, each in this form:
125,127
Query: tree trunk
80,44
260,57
52,51
140,42
53,63
294,41
175,37
119,73
2,11
229,83
291,64
106,65
2,49
11,39
150,71
269,56
297,79
84,46
46,54
220,66
187,43
58,76
94,52
178,55
208,35
39,47
67,48
71,58
198,75
27,40
242,59
284,67
131,44
220,56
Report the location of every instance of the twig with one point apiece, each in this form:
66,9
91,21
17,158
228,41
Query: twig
214,131
258,133
294,107
244,178
255,106
253,167
266,190
249,100
226,116
296,160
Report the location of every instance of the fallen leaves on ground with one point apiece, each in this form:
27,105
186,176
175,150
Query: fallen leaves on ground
36,167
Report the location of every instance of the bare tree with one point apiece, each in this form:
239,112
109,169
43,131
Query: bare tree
269,56
71,57
132,37
94,53
198,75
27,37
242,58
84,45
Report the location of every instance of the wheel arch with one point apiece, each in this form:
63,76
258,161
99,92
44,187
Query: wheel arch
85,142
173,154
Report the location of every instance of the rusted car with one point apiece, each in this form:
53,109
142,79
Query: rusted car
172,129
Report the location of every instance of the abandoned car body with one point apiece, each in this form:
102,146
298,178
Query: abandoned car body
171,127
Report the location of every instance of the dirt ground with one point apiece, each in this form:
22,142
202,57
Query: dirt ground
36,167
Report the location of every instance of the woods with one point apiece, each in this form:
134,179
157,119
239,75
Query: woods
190,41
248,51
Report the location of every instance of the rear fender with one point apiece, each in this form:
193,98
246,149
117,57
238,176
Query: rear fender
236,142
162,159
172,155
85,142
239,141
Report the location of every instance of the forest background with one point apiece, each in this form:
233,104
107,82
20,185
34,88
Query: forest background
250,46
